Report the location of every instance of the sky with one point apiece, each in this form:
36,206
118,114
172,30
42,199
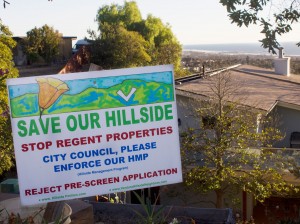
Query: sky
192,21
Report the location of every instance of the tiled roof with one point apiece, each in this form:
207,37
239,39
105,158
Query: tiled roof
258,87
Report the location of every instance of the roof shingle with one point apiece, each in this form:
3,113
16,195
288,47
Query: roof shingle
261,88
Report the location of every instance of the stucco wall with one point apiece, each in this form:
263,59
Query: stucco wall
186,110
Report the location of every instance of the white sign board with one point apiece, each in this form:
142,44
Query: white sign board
94,133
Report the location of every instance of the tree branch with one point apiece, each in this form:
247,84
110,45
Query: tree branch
5,2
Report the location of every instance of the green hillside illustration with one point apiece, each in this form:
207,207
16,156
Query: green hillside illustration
96,98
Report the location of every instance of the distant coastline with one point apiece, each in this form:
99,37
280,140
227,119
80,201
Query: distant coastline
290,49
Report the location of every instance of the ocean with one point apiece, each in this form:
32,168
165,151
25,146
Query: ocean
290,48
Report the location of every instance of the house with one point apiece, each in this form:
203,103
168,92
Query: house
267,92
65,50
264,90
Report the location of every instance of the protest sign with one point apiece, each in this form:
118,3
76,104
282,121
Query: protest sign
94,133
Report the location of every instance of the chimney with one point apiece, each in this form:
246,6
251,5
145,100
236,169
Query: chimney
280,53
282,64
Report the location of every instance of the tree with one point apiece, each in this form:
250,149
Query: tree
163,45
228,154
127,40
7,70
42,42
120,48
275,22
114,14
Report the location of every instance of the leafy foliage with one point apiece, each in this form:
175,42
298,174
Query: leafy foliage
127,40
228,154
276,22
42,42
7,70
120,48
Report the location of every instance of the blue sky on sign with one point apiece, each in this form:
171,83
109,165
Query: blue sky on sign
192,21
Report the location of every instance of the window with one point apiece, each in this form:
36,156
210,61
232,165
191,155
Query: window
295,140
